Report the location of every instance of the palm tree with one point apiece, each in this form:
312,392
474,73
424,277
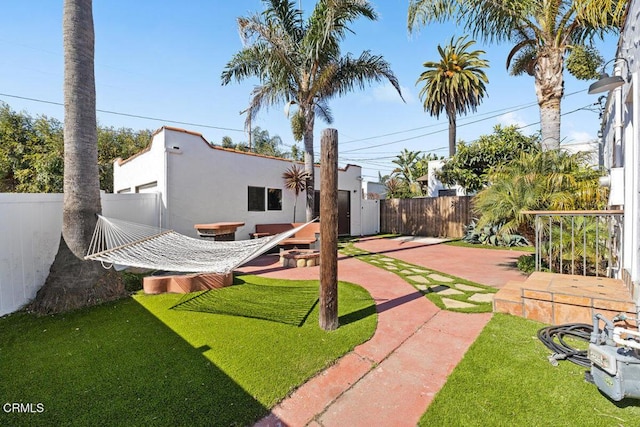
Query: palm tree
544,31
408,170
73,282
299,62
544,180
455,84
295,179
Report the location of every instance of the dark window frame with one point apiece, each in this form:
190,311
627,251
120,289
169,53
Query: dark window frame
274,199
255,199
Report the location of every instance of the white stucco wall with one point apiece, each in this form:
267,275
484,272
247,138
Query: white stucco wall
31,227
207,184
434,185
621,137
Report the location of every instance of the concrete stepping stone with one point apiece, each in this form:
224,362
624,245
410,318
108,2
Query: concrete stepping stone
386,259
419,270
422,287
390,267
451,292
451,303
481,297
440,278
468,288
418,279
405,272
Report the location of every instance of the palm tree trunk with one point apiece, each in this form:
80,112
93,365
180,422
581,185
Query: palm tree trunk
73,282
549,85
452,132
309,121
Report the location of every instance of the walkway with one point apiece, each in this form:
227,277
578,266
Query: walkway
391,379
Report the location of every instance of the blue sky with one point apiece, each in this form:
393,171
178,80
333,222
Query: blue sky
162,59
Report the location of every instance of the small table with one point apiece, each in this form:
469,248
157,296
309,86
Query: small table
222,231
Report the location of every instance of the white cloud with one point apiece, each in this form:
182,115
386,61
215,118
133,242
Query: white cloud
387,93
510,119
576,137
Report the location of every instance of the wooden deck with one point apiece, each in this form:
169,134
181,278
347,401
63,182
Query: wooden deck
561,298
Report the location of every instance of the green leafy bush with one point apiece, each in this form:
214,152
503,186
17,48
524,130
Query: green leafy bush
527,263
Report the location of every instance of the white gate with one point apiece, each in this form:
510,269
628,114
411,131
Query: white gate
370,217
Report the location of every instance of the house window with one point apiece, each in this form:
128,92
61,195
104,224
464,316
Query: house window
149,187
274,199
448,192
256,198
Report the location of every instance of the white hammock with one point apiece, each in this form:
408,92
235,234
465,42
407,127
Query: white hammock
117,242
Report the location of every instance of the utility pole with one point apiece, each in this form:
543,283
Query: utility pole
329,230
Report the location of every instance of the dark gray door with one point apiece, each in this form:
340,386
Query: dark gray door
344,211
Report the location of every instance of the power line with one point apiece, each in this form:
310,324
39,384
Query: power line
42,101
493,115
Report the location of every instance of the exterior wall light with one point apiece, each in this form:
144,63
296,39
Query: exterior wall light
606,82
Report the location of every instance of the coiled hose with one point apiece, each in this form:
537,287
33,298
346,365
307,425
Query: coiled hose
553,338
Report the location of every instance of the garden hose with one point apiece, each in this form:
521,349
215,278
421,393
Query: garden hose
553,338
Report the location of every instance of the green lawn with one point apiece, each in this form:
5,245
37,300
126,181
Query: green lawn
463,244
505,379
136,362
433,284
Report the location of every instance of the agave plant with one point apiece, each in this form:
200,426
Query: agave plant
491,235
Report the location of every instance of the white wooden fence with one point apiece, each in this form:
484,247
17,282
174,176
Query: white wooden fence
30,230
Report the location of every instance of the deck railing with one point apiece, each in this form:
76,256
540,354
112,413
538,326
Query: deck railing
587,243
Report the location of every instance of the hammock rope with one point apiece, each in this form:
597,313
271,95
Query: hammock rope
118,242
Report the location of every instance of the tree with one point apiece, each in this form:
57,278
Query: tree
295,179
227,142
544,32
114,143
265,144
72,282
403,181
455,84
31,152
406,171
299,62
472,162
543,180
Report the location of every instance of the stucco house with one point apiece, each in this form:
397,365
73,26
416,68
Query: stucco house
621,141
201,183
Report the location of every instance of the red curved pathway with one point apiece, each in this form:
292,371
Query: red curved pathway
392,378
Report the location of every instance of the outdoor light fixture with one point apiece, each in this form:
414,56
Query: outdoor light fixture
606,82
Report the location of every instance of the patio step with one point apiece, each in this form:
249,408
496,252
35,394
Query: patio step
562,298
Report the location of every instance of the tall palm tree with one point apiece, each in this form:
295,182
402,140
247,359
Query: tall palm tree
73,282
295,179
545,32
299,62
455,84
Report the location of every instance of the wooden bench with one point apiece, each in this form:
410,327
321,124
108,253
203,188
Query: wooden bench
308,236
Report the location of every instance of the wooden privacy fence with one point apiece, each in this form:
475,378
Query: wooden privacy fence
432,216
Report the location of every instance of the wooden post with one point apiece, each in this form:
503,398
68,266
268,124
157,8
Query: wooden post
329,230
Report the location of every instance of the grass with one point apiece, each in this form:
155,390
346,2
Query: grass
433,284
463,244
505,379
136,362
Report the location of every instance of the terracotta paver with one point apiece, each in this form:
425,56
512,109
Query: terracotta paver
492,267
391,379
